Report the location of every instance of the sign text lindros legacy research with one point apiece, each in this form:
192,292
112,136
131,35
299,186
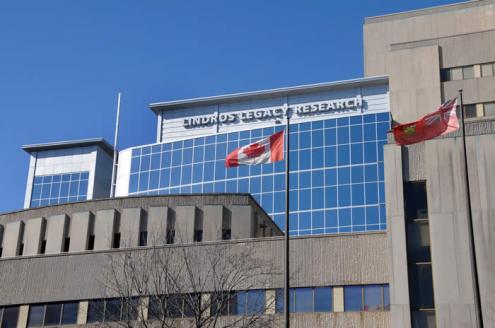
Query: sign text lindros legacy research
274,113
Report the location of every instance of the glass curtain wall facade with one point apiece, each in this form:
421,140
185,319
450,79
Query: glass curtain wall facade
336,172
59,188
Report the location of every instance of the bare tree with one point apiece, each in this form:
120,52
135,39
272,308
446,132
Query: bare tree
190,285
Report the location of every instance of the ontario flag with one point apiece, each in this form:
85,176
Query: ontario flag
268,150
440,122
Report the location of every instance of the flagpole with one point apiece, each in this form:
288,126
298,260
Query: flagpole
479,313
286,237
115,153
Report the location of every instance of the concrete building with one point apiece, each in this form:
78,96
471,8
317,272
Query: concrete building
364,212
55,258
429,55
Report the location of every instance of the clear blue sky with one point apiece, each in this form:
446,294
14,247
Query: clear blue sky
63,62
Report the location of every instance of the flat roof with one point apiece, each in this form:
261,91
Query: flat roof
427,11
101,142
264,94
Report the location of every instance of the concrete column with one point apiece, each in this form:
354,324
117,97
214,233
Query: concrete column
22,320
450,247
206,299
270,297
477,71
400,314
82,313
144,303
56,228
79,229
338,299
212,222
105,221
184,223
12,238
33,236
130,224
480,112
157,225
243,222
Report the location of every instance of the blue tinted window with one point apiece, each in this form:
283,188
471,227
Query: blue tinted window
343,155
330,156
305,199
369,118
357,174
330,137
323,299
317,178
358,194
166,159
370,172
304,140
331,218
345,217
267,183
317,138
186,174
344,195
358,216
371,193
357,153
343,135
267,202
155,161
344,174
331,197
187,156
164,178
279,202
135,164
369,132
353,298
305,159
373,298
372,215
330,177
317,158
370,152
317,197
145,163
318,220
255,302
303,300
255,185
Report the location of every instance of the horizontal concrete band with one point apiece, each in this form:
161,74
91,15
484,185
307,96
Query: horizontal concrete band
315,261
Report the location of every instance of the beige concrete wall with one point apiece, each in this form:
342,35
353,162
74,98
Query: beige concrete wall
316,261
394,194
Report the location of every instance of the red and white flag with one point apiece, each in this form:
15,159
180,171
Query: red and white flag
440,122
268,150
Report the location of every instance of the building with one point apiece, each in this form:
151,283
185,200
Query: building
69,171
54,260
364,213
336,163
429,55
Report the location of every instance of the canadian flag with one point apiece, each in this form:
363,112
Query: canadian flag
268,150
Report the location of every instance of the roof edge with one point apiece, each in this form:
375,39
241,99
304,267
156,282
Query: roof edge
425,11
101,142
268,93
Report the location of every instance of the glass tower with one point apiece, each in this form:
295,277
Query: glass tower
336,172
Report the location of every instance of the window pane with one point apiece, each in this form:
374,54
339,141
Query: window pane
323,299
112,310
487,70
36,313
69,313
95,311
489,109
52,314
386,297
255,302
421,286
373,298
130,309
455,74
418,241
470,111
423,319
279,301
468,72
10,315
353,298
304,299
